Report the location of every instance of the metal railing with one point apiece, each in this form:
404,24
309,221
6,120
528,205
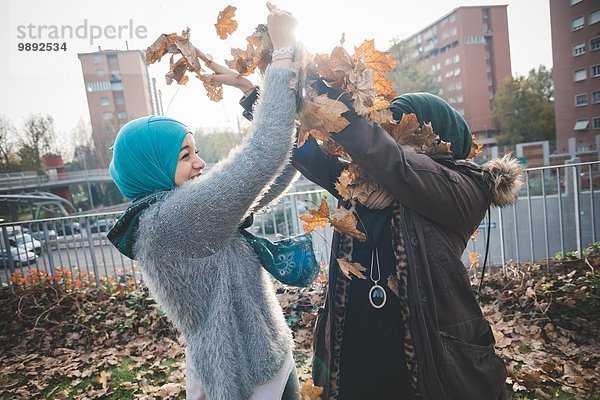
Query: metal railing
556,212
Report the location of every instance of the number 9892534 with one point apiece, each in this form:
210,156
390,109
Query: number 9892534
44,46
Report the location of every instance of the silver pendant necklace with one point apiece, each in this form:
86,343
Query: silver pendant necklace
377,295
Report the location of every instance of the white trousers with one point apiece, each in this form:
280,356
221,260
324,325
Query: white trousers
272,390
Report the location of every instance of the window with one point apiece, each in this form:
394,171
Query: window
474,40
457,72
116,85
119,101
456,58
596,122
578,49
573,2
579,75
577,23
109,128
112,59
122,115
97,58
487,54
458,85
448,61
490,95
581,125
452,18
104,101
453,31
581,100
459,99
490,81
595,70
461,111
595,44
97,86
594,16
595,97
107,115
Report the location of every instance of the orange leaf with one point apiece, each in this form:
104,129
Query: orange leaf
379,62
351,268
474,259
225,24
309,391
213,90
475,148
344,221
244,61
317,218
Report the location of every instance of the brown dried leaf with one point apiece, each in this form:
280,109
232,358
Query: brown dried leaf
159,48
379,62
474,259
360,85
475,148
323,115
344,221
317,218
225,24
351,268
309,391
214,90
335,67
244,61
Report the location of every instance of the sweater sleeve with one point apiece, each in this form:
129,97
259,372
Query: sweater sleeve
202,214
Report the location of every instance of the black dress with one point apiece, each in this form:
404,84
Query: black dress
372,364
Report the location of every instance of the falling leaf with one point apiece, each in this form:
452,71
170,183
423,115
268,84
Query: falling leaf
317,218
474,259
308,391
159,48
360,84
344,221
225,24
351,268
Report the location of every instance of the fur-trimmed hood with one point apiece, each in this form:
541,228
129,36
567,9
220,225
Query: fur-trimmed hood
503,177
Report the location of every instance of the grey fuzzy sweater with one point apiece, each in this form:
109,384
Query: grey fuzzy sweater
201,270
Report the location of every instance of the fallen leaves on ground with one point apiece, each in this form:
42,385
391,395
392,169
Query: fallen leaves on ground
79,342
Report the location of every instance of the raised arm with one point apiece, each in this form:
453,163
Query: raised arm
450,198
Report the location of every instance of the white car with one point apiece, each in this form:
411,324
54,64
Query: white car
27,241
20,256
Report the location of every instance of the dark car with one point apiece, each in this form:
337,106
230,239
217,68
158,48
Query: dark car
102,225
68,228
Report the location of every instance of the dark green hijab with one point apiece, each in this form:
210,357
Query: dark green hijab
445,120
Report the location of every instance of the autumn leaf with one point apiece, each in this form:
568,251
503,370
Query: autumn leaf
360,84
475,148
244,61
323,115
335,67
213,90
474,259
407,126
334,149
344,221
379,63
350,269
309,391
225,24
317,218
159,48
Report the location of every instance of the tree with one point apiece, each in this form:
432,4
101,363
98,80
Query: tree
37,140
8,162
216,144
523,108
409,75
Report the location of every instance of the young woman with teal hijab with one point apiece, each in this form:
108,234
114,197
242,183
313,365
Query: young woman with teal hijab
183,227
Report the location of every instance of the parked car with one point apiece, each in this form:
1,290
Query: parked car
69,228
102,225
27,241
20,256
39,235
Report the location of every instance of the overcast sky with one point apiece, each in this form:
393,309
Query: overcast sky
52,83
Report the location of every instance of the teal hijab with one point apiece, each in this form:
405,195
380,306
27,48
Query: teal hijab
445,120
145,155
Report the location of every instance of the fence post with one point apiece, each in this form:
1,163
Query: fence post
11,262
49,249
577,211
